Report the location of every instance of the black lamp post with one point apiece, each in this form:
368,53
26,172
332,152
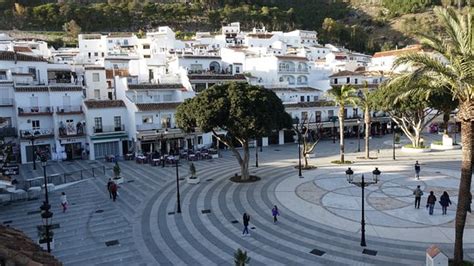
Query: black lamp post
358,135
362,184
46,215
256,152
177,185
394,129
32,137
299,155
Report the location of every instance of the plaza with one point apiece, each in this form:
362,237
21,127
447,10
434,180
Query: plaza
319,222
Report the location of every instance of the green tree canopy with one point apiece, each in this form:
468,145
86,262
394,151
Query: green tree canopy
242,110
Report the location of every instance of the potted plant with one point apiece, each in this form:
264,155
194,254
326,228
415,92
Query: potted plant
117,178
241,258
193,179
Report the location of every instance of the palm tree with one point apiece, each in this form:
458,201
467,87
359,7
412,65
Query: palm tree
364,101
455,45
342,95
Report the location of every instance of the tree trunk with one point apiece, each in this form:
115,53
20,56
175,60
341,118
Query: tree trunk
465,182
305,161
244,163
367,132
341,132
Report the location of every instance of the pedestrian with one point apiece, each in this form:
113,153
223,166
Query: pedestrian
64,201
275,213
417,170
109,184
113,190
246,220
418,193
430,203
445,202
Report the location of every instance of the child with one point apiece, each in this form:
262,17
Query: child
64,201
275,213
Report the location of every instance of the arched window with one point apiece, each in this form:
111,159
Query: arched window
302,80
214,67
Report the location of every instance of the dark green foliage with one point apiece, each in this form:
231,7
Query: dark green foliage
241,258
400,7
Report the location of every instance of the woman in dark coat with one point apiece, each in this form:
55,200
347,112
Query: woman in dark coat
445,202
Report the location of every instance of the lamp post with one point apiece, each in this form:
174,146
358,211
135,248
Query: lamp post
177,186
394,129
256,152
46,215
358,135
362,184
32,138
299,155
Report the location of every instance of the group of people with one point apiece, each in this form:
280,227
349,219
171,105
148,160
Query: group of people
246,219
431,200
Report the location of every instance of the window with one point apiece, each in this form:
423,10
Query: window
3,75
147,119
166,121
89,54
167,98
118,123
304,116
35,124
125,42
146,46
103,54
301,98
330,113
146,56
97,94
95,77
32,71
318,116
355,112
335,81
355,81
307,98
237,69
110,41
315,98
348,80
97,124
96,54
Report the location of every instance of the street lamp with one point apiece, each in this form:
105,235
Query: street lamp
256,152
177,184
362,184
32,138
394,130
46,215
358,135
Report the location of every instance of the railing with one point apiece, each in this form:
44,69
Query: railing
37,110
144,127
69,109
109,129
58,179
6,101
65,133
60,81
36,133
8,132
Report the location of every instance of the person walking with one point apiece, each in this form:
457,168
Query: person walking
109,184
418,193
113,190
417,170
445,202
275,213
430,203
64,202
246,220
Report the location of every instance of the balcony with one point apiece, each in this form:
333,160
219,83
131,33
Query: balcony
8,132
147,127
38,110
69,130
6,102
69,109
108,129
37,133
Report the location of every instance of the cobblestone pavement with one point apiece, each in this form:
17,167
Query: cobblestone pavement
319,222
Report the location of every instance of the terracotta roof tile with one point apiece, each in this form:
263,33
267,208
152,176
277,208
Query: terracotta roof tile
22,49
157,106
31,89
97,104
413,48
344,73
290,57
16,247
65,88
163,86
12,56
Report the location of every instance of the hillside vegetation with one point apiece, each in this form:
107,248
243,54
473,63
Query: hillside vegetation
362,25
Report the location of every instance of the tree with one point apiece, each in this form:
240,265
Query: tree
456,74
242,110
343,95
241,258
412,112
116,170
364,100
310,137
72,29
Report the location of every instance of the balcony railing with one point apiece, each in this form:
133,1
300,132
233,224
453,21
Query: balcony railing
71,130
144,127
38,110
6,101
69,109
8,132
108,129
61,81
36,133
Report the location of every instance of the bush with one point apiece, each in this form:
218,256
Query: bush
410,146
339,162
